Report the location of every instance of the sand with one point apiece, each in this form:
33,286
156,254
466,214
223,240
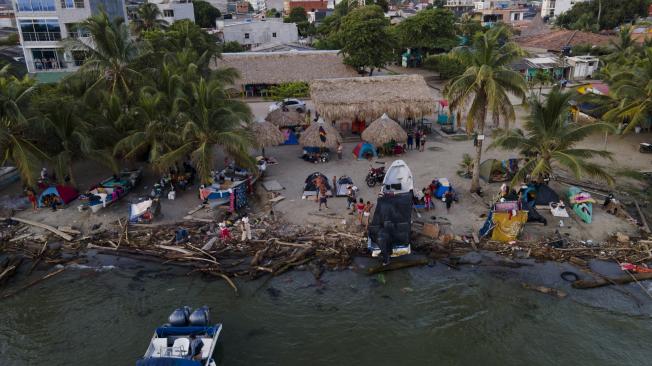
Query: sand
440,159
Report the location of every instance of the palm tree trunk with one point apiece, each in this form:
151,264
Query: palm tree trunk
72,177
475,181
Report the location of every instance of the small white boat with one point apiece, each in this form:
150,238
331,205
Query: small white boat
187,340
398,178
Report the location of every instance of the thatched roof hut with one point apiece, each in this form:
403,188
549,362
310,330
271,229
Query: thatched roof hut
399,96
310,137
285,118
384,130
267,134
286,66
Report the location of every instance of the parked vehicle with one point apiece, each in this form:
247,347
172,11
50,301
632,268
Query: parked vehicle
645,148
375,175
289,104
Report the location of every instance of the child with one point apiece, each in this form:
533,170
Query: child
448,198
360,206
423,142
323,199
427,197
32,198
367,214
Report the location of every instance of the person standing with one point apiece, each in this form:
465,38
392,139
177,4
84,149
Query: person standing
339,151
367,214
448,198
410,141
417,139
427,198
334,187
323,198
31,196
350,197
359,207
423,142
246,228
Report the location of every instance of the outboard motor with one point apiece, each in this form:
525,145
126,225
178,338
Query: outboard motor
179,317
200,317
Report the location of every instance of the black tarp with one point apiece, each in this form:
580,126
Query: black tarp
545,195
391,222
310,182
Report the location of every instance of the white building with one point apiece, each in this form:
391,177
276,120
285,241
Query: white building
583,66
219,5
173,10
253,33
552,8
42,24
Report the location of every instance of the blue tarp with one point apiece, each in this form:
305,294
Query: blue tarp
292,139
167,361
174,331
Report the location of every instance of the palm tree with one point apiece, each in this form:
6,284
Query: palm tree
157,125
111,54
549,140
486,84
633,87
147,18
211,119
540,79
16,144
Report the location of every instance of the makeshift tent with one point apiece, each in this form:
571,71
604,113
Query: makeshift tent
492,170
138,209
310,188
364,150
442,185
343,183
504,222
389,230
65,193
539,195
398,178
290,137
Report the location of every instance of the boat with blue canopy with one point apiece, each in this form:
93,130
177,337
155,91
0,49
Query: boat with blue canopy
187,340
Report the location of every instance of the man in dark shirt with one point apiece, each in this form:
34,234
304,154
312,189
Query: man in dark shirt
196,344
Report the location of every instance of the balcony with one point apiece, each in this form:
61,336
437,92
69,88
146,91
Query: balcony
54,65
41,37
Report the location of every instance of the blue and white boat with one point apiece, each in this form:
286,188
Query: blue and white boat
175,343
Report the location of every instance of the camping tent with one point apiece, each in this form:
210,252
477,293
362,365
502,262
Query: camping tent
390,226
539,195
65,193
492,170
343,183
310,188
363,150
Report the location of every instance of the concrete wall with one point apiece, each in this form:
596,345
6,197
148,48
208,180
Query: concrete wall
260,32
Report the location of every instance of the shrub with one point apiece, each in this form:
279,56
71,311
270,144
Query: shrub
448,67
296,89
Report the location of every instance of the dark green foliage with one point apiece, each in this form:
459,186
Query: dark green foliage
429,30
297,89
205,14
232,46
584,15
447,66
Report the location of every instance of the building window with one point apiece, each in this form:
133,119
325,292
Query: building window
246,35
40,30
47,59
167,13
35,5
76,31
274,34
72,4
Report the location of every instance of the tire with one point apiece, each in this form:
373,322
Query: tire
371,181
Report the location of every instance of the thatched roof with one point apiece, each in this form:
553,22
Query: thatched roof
399,96
267,134
384,130
285,118
310,137
282,67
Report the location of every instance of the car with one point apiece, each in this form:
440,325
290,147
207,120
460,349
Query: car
289,104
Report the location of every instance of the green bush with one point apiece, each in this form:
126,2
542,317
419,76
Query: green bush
448,67
232,46
11,40
296,89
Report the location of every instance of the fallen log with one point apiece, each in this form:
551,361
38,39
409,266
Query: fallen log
392,266
44,226
545,290
643,221
622,280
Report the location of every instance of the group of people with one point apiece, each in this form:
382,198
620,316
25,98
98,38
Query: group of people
418,138
429,193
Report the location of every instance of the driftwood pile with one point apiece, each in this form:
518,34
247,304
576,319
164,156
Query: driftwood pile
276,247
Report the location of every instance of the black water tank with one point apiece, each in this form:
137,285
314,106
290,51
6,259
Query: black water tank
179,317
200,317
